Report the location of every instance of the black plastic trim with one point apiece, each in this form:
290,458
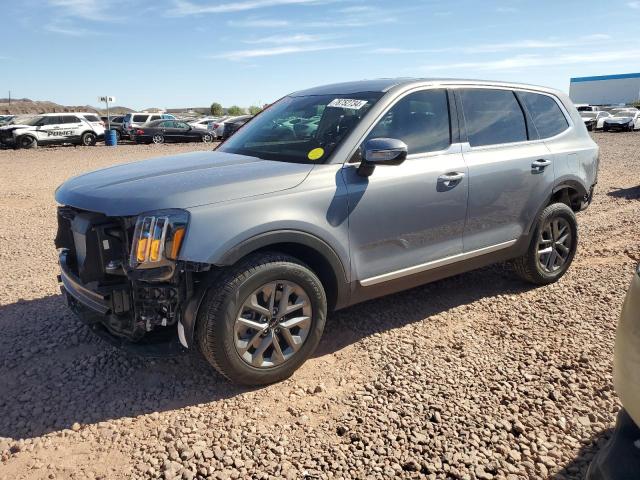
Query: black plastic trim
90,299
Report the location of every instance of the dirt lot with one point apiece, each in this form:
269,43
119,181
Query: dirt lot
476,377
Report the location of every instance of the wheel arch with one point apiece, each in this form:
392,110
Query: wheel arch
309,249
570,192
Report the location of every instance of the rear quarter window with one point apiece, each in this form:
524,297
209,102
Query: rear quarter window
140,118
92,118
546,114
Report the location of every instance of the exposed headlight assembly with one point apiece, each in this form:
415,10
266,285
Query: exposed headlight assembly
157,238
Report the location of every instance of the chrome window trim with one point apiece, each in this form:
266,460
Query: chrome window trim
385,277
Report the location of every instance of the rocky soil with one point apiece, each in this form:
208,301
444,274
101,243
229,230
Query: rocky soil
479,376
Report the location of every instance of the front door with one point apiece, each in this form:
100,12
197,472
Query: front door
414,213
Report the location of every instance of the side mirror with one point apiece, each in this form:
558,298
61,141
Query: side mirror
382,151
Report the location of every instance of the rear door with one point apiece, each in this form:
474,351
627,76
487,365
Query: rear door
404,218
184,133
510,169
73,127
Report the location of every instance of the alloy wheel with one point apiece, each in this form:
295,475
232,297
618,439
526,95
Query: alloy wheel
554,245
158,139
273,324
207,138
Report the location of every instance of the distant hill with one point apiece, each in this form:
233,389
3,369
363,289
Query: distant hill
26,106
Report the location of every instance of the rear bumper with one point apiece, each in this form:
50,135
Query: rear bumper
619,459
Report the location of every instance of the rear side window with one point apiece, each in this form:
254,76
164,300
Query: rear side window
547,116
69,119
155,117
492,117
421,120
140,118
92,118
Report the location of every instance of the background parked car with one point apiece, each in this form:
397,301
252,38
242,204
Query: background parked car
134,120
594,120
588,108
231,127
218,127
626,121
205,123
161,131
5,119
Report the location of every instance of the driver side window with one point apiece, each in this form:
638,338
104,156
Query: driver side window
421,120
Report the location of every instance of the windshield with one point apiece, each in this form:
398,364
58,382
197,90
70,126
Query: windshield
33,121
301,129
588,114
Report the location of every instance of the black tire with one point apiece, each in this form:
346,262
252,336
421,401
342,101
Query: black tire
223,303
529,267
605,129
157,139
88,139
118,136
26,141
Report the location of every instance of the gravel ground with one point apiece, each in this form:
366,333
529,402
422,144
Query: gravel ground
475,377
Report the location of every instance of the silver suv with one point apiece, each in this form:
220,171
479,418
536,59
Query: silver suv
329,197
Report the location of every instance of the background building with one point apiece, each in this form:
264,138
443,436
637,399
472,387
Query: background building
606,90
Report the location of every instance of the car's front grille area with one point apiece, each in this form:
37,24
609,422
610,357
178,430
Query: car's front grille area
96,244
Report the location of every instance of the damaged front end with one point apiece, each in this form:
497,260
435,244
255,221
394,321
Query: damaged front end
122,275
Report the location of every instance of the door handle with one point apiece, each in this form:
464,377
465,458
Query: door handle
540,164
450,180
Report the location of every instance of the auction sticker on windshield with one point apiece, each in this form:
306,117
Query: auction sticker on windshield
349,103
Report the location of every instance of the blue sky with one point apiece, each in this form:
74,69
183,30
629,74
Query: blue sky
177,53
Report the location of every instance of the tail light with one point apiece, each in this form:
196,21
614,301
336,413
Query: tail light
139,132
216,125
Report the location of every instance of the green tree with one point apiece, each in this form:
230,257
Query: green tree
235,110
254,109
216,109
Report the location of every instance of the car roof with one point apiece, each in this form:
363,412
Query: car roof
383,85
57,114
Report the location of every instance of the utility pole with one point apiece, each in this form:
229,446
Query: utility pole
9,97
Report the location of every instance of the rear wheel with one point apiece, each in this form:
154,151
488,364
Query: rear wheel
157,139
88,139
27,141
262,319
552,248
207,138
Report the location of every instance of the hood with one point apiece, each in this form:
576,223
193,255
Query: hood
179,181
13,126
619,119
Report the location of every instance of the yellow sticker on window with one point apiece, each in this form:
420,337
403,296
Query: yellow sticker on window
316,153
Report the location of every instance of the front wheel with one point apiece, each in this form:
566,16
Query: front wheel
157,139
27,141
552,248
262,319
